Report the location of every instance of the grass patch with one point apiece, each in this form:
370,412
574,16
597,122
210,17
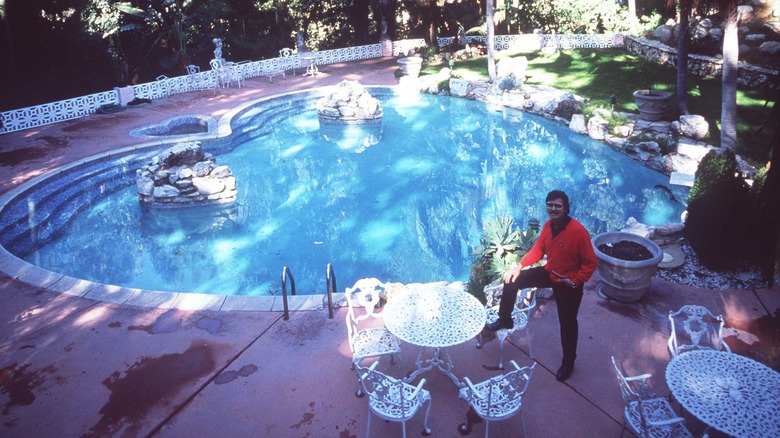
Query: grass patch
597,74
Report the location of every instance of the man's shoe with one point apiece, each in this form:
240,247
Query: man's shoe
564,372
499,324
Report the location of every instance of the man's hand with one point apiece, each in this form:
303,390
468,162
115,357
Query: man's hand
511,275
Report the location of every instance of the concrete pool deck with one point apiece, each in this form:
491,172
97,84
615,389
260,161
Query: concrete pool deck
76,366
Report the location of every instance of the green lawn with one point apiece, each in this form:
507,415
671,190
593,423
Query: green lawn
597,74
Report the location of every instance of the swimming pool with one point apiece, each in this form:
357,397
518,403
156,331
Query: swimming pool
402,201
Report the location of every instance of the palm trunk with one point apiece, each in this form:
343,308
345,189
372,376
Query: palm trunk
490,40
682,57
728,115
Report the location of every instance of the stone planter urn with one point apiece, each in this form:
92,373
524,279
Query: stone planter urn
652,104
410,66
625,281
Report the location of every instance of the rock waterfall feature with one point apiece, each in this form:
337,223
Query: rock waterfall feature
350,117
185,176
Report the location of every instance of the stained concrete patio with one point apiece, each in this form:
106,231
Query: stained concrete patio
72,366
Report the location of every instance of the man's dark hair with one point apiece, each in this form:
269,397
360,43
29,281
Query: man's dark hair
555,194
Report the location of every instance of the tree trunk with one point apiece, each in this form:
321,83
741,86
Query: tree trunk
358,18
490,40
728,115
431,21
682,57
10,58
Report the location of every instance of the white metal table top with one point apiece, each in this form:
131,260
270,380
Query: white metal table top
434,316
731,393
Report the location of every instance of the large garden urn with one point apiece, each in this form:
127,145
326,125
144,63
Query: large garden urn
410,66
625,280
652,104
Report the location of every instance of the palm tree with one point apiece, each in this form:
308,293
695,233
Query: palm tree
686,6
728,114
490,43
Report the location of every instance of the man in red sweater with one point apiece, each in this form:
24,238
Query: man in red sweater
570,263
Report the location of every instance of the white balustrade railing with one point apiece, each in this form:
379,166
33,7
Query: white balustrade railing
403,47
539,41
39,115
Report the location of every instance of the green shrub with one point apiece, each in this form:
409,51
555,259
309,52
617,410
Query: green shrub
509,83
427,52
614,119
719,208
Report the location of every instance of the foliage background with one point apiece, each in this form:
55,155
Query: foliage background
58,49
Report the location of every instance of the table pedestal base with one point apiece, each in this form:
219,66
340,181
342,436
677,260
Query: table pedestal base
443,364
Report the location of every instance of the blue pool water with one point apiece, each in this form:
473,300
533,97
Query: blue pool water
402,201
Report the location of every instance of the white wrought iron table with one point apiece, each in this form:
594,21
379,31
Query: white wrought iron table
731,393
434,317
309,60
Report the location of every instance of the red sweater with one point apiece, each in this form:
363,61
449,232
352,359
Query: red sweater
569,254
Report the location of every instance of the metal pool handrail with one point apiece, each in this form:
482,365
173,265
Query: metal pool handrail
330,281
285,273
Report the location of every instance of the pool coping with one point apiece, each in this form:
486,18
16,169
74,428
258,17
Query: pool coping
51,281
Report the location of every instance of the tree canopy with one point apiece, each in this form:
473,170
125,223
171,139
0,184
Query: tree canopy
57,49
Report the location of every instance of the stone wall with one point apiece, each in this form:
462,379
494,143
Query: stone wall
702,66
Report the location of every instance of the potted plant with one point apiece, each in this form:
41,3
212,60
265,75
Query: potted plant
652,104
626,263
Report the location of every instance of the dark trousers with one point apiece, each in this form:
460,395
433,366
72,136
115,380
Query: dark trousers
567,300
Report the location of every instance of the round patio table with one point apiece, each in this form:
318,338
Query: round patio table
731,393
436,317
309,60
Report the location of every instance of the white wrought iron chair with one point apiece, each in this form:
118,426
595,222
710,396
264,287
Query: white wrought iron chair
521,315
393,399
648,415
498,398
196,78
289,60
695,328
366,338
225,73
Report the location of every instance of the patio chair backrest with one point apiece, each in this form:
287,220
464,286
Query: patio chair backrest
501,396
526,302
363,300
648,415
392,397
694,328
217,64
629,393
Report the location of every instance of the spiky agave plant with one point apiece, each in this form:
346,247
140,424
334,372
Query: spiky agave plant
501,246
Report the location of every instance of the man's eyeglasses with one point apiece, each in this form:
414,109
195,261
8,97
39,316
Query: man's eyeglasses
554,206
